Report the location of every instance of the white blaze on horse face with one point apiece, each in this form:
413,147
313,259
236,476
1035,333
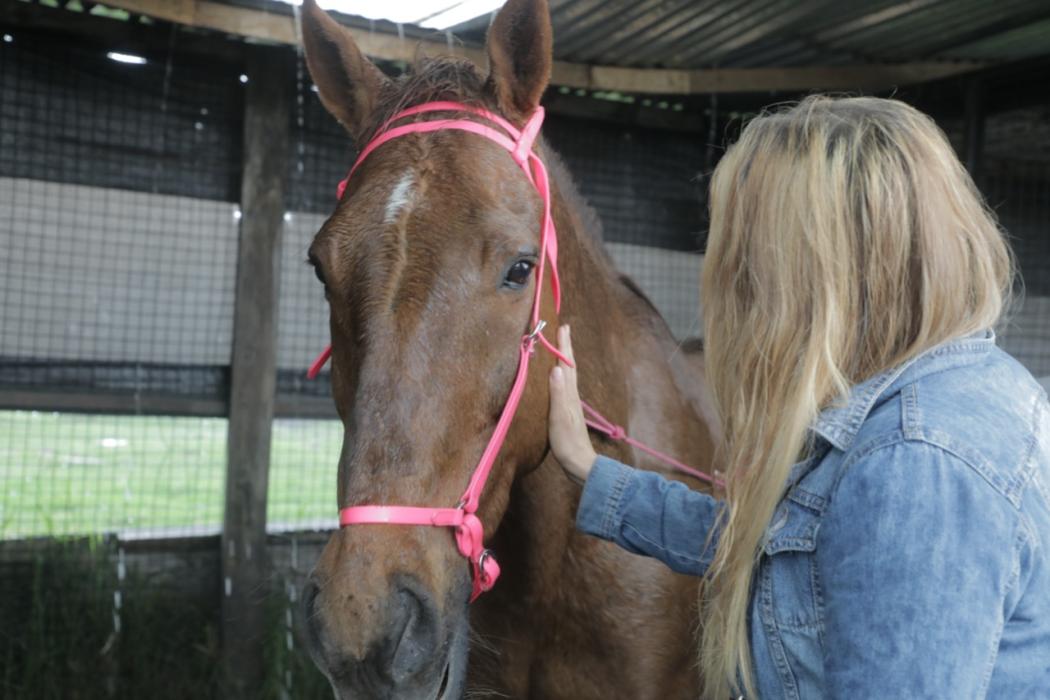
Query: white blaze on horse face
400,197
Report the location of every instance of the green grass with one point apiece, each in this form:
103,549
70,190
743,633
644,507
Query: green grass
65,474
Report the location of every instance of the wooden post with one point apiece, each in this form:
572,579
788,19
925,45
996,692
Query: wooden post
245,570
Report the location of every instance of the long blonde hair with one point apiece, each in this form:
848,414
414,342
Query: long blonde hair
845,238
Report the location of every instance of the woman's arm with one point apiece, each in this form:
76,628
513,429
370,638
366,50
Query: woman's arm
918,560
641,511
645,513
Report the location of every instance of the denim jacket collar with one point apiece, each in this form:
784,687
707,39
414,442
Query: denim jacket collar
838,424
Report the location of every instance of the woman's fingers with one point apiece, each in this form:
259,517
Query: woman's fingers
564,403
569,371
565,345
568,429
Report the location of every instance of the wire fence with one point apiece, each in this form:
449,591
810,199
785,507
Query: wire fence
119,188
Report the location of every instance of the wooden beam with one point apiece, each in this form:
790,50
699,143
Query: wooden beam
868,77
78,400
280,28
135,37
119,403
628,114
254,370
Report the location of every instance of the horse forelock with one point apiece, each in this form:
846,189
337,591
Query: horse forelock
432,79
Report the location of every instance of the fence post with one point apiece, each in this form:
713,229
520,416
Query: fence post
245,566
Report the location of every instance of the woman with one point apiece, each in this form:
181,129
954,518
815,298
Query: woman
886,524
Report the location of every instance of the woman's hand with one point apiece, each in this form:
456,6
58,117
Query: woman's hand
568,431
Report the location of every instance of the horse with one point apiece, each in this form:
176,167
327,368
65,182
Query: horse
429,262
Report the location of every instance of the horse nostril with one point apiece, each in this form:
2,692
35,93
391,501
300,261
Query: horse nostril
414,634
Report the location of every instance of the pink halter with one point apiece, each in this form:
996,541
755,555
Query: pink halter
463,517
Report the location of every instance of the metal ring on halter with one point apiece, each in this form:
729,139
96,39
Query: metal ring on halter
531,337
486,554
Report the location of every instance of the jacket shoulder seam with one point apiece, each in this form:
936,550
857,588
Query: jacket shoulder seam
939,441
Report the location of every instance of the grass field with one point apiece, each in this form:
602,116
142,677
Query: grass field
63,474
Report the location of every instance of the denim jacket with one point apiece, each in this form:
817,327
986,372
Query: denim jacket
910,556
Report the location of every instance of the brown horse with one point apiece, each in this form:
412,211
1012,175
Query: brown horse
428,263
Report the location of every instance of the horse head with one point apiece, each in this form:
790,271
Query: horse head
429,264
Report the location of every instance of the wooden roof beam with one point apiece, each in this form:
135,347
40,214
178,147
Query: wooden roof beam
279,28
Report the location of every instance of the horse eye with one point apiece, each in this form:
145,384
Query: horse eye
518,274
316,266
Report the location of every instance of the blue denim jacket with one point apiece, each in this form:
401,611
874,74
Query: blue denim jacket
910,556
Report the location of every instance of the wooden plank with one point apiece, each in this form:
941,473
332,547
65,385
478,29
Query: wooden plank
77,400
290,406
80,401
663,82
133,37
870,77
254,371
279,28
136,37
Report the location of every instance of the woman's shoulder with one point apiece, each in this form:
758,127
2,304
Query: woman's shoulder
963,424
991,417
932,522
979,427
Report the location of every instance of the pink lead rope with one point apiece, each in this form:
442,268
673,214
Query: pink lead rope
463,517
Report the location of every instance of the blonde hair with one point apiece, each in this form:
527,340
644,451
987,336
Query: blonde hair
845,238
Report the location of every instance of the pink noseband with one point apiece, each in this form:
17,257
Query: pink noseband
463,517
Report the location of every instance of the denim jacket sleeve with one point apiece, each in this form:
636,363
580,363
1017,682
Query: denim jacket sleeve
919,559
645,513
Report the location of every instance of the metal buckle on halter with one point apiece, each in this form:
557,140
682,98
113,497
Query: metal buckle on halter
530,339
486,554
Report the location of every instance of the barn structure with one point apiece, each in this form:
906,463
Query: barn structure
156,317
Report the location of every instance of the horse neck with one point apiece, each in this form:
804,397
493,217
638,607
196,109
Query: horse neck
624,351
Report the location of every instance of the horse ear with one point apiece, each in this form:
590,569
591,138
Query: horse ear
348,83
519,47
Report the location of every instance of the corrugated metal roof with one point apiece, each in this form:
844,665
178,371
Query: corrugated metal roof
775,33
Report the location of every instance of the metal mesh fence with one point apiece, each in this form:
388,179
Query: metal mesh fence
1020,193
1015,179
117,197
119,188
322,155
644,184
118,224
67,474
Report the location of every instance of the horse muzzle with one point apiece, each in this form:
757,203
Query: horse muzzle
412,654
